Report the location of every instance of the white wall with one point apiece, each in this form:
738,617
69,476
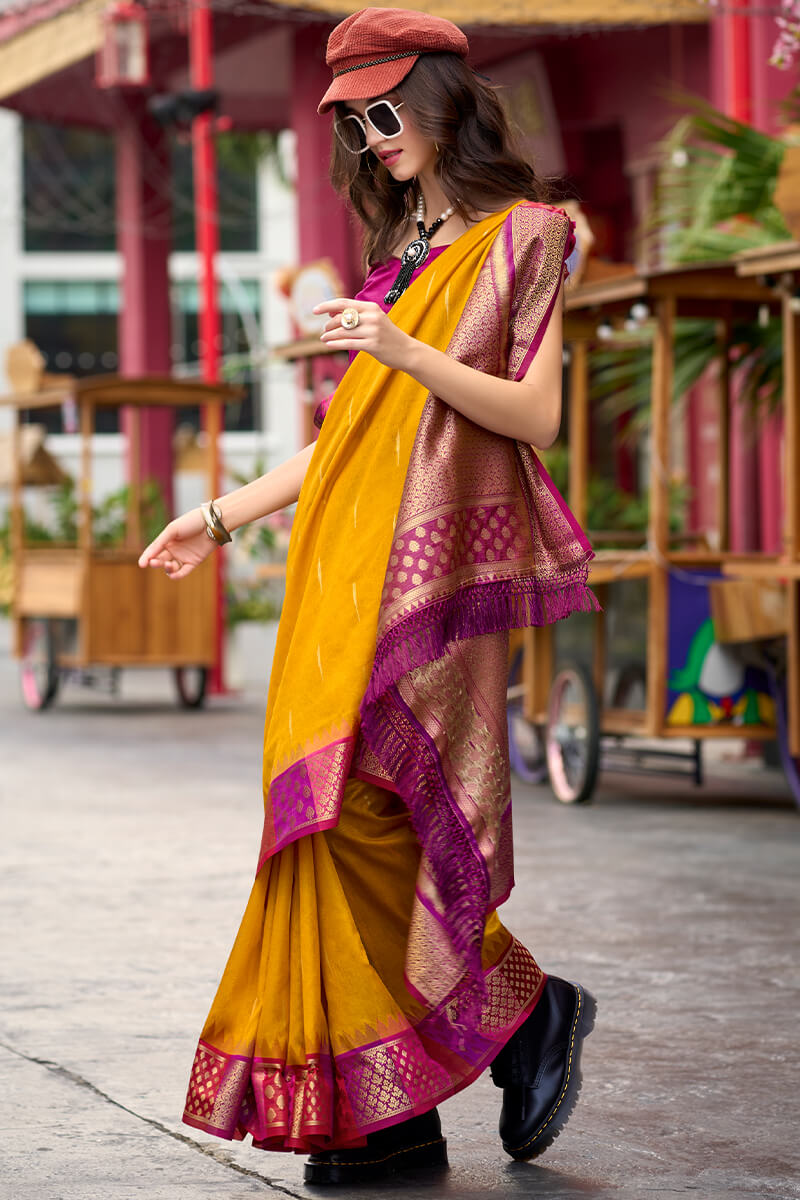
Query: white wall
278,438
11,317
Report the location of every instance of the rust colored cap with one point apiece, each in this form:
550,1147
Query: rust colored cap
372,50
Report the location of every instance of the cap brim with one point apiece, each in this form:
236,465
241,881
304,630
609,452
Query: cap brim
366,82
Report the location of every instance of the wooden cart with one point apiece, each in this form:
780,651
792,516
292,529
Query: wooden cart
564,713
83,606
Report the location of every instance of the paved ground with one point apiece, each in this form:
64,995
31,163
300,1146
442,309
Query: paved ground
129,832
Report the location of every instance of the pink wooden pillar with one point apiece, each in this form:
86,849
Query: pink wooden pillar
770,462
745,494
144,240
730,91
770,88
325,228
749,89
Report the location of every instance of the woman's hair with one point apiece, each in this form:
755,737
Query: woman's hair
479,165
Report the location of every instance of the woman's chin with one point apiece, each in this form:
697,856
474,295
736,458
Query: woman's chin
400,170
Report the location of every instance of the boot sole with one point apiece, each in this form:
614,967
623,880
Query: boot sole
546,1134
427,1156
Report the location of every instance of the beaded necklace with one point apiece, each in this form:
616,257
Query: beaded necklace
416,251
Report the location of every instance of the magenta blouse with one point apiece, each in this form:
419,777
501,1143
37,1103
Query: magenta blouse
376,285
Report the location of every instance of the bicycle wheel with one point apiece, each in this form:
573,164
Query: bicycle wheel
526,749
191,683
572,736
39,674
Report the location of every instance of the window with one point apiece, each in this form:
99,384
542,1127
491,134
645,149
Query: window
237,167
74,325
240,341
68,188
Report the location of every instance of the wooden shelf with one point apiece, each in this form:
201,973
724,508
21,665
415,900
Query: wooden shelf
609,565
758,733
605,291
310,347
762,569
627,721
769,260
113,391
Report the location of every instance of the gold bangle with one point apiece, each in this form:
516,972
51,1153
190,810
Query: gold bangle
214,526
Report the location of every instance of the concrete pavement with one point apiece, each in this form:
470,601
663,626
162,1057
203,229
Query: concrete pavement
129,835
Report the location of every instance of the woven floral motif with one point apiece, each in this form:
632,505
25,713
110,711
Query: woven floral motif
302,1107
217,1087
510,989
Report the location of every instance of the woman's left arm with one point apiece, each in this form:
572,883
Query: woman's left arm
528,409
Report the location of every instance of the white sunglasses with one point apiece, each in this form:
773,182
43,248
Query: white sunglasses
382,115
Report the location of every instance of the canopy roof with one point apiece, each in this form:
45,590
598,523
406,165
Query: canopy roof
528,13
39,40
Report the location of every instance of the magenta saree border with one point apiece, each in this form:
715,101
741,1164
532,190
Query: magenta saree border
336,1100
566,511
306,797
511,265
409,754
545,321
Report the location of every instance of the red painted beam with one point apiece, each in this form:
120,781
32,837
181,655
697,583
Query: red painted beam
207,236
739,90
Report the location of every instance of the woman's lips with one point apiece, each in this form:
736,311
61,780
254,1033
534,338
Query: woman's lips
390,157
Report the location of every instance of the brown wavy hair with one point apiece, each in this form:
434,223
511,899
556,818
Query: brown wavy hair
480,165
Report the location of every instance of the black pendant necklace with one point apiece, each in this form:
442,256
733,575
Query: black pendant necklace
415,252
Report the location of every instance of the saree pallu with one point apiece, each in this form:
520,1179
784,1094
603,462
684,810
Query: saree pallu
365,987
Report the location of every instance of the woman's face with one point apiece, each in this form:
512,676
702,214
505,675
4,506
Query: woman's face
404,156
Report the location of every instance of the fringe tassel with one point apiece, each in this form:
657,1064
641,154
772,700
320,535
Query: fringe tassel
460,875
425,635
392,733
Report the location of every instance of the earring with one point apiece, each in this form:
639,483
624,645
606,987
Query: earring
436,146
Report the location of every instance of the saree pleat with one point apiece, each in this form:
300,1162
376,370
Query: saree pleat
313,1038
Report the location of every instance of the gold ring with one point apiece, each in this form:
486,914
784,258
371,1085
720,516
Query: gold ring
350,318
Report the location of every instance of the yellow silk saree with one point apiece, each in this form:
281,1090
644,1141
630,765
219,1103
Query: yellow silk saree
371,977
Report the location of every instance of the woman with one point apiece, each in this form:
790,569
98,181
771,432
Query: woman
371,977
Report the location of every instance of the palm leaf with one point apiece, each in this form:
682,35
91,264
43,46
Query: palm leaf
621,376
715,192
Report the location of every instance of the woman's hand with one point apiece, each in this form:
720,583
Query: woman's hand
180,547
374,333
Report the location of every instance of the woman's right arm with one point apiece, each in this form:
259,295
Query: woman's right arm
184,544
265,495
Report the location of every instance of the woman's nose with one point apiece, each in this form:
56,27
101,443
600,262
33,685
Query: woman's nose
373,137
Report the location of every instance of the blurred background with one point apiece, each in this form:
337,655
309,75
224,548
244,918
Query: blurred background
165,213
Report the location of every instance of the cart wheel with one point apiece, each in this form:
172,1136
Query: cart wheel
525,741
572,736
39,675
191,684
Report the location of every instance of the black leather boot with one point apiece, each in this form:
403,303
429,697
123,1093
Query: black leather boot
539,1069
410,1145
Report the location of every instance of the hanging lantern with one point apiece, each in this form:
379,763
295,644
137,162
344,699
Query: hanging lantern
122,60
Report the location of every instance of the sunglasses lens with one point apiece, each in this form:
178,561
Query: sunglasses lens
385,119
350,132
